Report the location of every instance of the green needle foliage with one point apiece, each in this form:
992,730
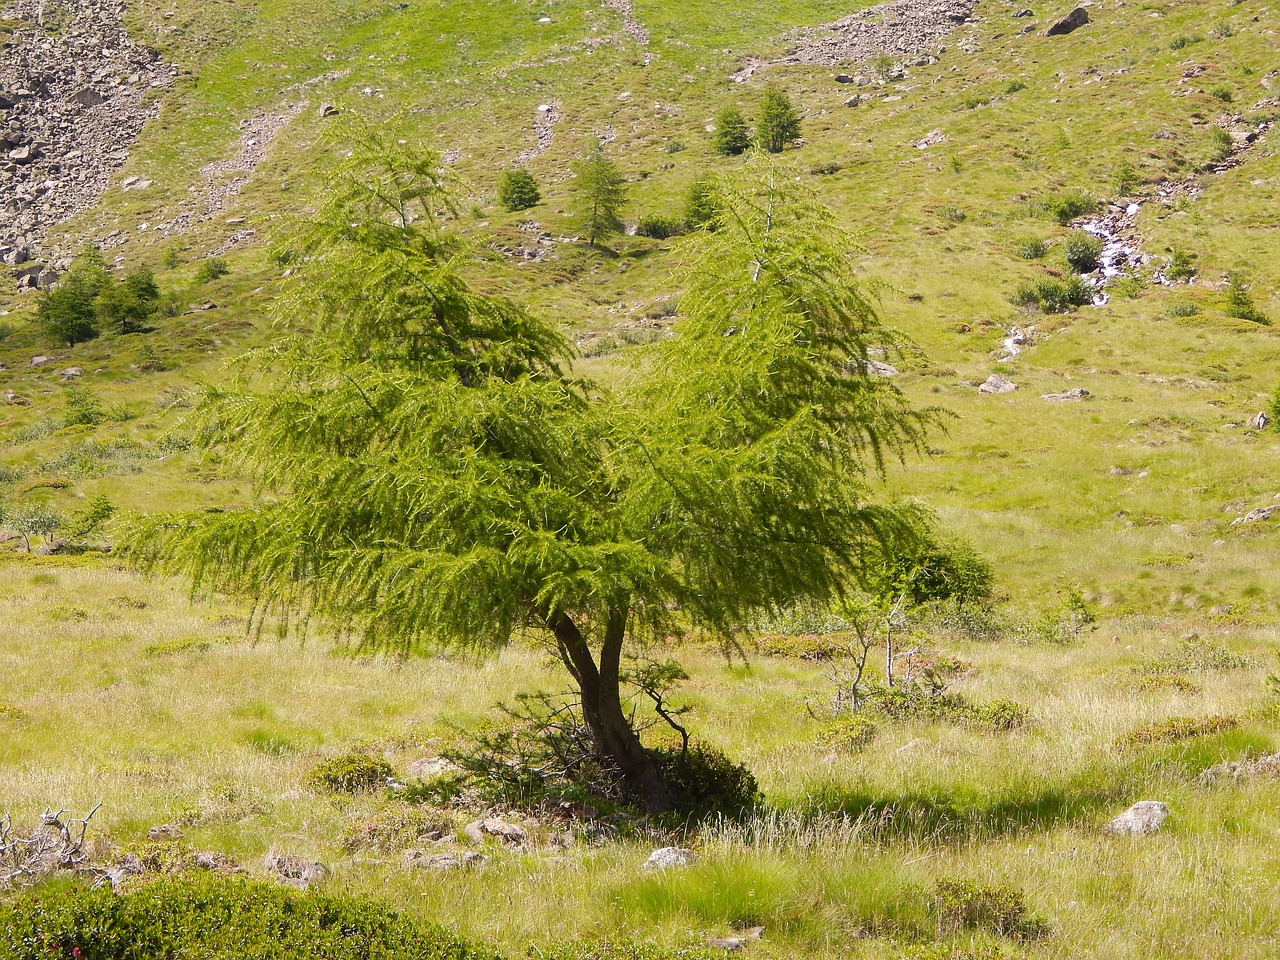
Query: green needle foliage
779,123
732,136
599,194
432,470
518,190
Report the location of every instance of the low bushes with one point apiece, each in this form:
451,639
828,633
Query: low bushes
228,918
351,773
1177,729
1052,295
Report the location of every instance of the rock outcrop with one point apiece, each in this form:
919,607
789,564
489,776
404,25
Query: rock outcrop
72,102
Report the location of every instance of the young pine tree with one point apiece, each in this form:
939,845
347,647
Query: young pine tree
600,192
732,136
779,123
518,190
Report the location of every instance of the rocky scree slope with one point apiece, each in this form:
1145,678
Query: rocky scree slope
73,98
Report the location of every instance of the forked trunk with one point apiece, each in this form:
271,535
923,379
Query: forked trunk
612,732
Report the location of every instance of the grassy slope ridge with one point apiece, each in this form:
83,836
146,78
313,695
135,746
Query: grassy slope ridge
213,738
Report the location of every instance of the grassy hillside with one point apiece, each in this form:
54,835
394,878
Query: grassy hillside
120,689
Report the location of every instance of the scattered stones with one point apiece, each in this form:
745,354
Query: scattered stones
1073,21
1264,766
738,941
1142,819
909,31
76,97
442,861
477,830
295,871
1076,393
996,384
544,122
666,857
1253,516
929,139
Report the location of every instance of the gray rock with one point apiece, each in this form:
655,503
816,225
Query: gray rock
71,373
1073,21
295,871
997,383
493,827
667,857
1142,819
424,768
442,861
166,831
1259,421
327,110
40,361
1077,393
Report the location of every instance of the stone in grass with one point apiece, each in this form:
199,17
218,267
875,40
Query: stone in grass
1142,819
997,383
295,871
665,857
442,861
1076,393
1073,21
477,830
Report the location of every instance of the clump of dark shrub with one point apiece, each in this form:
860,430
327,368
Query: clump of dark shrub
1240,304
659,228
1052,295
518,190
1177,729
1082,251
232,918
350,773
965,905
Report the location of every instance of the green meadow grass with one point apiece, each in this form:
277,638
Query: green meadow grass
121,690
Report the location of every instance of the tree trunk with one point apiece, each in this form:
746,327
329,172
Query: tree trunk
602,709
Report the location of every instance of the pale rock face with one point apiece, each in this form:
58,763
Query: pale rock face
665,858
1142,819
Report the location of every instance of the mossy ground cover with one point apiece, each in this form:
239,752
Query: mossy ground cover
120,690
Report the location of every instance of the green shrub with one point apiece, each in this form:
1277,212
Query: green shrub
1177,729
1032,248
1162,682
732,136
212,269
203,915
350,773
1183,308
67,311
702,206
813,647
998,714
518,190
1052,295
779,123
1065,207
707,783
181,645
965,905
1222,93
1082,251
11,712
1239,301
659,228
1194,653
850,733
1182,265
